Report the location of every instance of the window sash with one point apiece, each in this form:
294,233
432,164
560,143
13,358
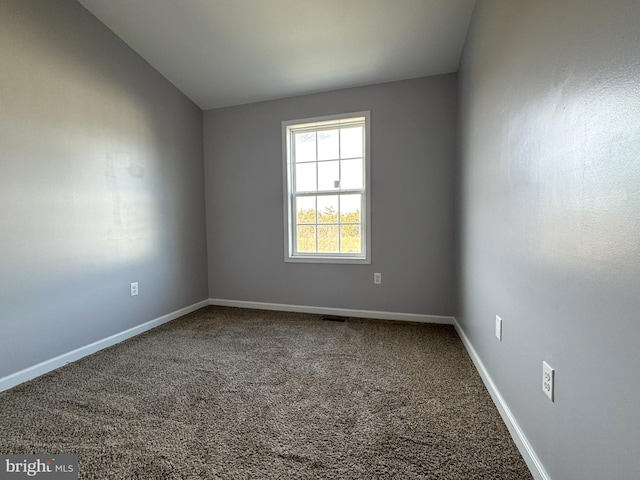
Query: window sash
294,224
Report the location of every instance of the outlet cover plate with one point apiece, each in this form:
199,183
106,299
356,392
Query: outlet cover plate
498,328
548,380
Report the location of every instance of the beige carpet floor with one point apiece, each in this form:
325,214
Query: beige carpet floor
226,393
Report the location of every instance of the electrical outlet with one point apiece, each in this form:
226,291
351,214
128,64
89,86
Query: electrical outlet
498,328
548,380
377,278
134,289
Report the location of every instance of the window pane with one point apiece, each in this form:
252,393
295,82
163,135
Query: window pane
328,144
306,240
328,175
328,209
305,147
351,171
328,238
351,142
350,240
350,206
306,177
306,210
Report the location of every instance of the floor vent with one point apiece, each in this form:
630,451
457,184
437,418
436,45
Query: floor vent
333,318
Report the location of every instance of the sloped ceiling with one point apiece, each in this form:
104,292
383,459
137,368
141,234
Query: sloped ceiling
230,52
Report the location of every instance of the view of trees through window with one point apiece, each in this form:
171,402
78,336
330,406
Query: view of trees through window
328,230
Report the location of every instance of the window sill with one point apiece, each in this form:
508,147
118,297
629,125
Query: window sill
325,259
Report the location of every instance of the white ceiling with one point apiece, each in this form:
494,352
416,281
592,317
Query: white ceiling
230,52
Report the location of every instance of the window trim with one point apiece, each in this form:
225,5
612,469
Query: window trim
340,258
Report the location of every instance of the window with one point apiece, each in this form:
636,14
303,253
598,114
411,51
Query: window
327,198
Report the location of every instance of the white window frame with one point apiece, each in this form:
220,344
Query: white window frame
364,257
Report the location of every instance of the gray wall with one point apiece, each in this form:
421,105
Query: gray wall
101,184
550,230
413,175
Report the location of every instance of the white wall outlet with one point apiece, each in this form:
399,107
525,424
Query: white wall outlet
134,289
498,328
548,380
377,278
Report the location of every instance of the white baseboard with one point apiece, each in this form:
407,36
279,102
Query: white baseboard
525,448
343,312
29,373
